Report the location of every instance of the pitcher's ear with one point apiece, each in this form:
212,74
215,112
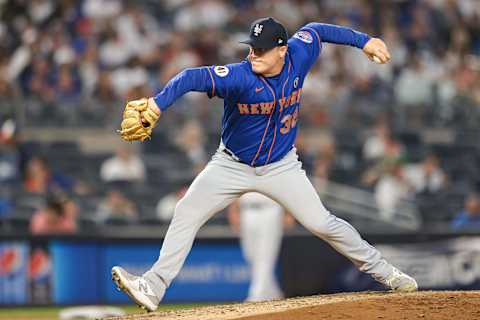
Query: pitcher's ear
249,53
283,50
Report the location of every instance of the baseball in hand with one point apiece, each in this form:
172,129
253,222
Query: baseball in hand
377,60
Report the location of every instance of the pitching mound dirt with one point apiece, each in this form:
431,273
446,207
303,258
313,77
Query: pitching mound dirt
431,305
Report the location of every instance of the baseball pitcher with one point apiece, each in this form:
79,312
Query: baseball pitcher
262,96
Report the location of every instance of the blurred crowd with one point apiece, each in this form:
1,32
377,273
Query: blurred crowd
75,63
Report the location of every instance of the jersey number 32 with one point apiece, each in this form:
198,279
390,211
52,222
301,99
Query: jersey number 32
289,121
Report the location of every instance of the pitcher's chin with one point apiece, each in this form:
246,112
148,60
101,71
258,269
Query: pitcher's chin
258,68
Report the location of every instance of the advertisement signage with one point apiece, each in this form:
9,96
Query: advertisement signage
210,273
452,264
14,272
78,271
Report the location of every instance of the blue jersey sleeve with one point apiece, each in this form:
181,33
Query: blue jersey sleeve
310,37
227,80
340,35
306,43
221,81
191,79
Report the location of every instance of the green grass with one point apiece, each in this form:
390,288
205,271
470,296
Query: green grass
51,313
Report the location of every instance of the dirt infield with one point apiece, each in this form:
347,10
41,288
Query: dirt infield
429,305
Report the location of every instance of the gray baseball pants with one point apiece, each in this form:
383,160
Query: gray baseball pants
223,180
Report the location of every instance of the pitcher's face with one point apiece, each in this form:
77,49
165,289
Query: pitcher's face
265,61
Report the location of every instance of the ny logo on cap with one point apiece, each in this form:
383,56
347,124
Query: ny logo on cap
257,29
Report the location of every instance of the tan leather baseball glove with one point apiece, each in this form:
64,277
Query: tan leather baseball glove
139,119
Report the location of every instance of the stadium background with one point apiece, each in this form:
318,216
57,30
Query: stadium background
391,148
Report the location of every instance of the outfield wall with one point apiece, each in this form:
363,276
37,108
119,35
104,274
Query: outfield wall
76,270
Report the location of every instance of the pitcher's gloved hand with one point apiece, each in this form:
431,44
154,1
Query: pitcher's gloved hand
139,119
